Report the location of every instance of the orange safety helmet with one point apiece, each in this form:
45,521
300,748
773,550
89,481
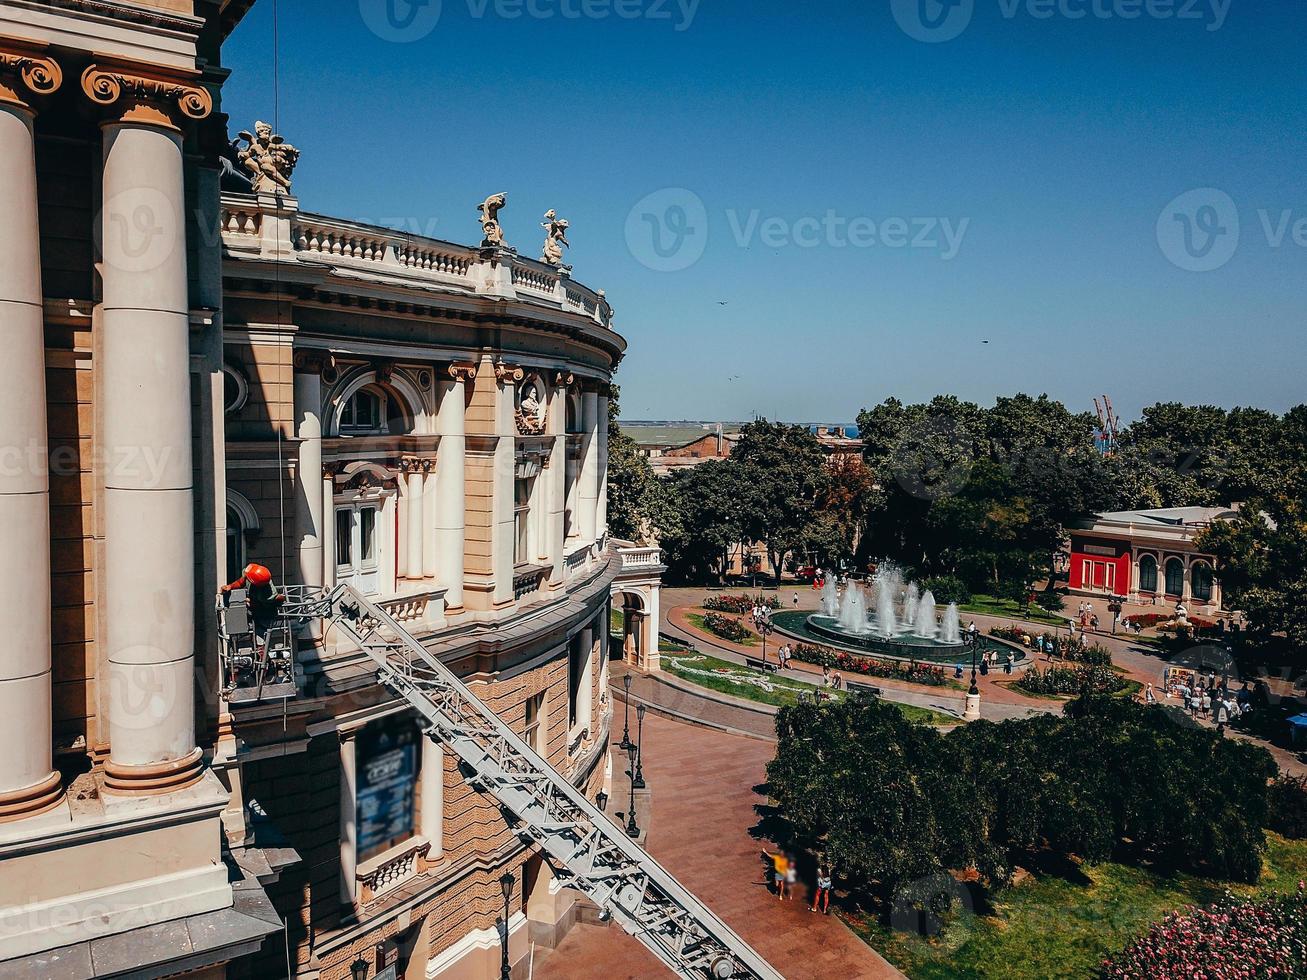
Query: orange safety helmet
257,575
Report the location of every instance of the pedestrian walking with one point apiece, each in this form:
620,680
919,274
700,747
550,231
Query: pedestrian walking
791,877
796,600
821,900
1149,696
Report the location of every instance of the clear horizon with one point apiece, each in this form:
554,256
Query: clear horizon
798,212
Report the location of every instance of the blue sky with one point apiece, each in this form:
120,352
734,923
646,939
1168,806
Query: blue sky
869,207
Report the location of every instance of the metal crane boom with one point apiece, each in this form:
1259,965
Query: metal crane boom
586,850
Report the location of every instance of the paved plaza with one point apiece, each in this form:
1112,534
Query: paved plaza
703,803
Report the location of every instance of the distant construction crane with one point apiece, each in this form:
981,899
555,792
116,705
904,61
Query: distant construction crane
1109,429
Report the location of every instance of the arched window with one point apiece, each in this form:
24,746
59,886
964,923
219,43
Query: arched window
1147,574
235,545
235,390
373,411
1174,577
1200,580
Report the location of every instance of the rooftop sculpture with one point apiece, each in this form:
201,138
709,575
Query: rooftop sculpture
491,232
269,159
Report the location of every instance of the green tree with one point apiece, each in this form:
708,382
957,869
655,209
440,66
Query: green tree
785,467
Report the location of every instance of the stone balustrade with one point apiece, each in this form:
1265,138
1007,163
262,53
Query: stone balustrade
274,229
640,557
390,870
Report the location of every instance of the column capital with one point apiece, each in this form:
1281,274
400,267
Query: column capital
508,373
156,99
25,72
312,361
463,372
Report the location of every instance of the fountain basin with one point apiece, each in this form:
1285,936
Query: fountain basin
826,630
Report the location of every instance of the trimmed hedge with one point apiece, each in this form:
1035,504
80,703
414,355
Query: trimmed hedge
726,628
740,603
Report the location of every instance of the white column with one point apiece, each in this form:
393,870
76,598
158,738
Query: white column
451,484
433,797
652,658
402,505
309,515
328,493
429,564
413,531
149,569
556,476
589,465
585,694
28,783
348,818
503,490
601,503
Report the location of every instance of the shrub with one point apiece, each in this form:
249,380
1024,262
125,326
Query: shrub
1249,939
739,604
948,588
851,663
726,628
890,803
1288,805
1072,680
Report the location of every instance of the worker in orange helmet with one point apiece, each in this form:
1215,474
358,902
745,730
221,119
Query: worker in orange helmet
261,596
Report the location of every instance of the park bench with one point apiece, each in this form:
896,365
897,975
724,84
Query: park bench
852,686
756,663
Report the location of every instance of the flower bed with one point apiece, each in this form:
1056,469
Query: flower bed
740,603
851,663
726,628
1072,680
1237,940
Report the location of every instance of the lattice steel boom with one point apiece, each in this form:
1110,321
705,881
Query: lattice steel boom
586,850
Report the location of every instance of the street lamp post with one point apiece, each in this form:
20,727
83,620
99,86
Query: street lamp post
506,885
632,828
625,743
972,712
637,782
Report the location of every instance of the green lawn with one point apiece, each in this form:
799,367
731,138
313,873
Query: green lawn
988,605
1052,927
782,690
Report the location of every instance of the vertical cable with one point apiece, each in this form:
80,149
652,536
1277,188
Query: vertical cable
276,128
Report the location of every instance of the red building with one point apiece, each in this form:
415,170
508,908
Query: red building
1148,556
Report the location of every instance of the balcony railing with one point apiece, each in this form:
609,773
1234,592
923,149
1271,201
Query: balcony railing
276,230
640,557
388,871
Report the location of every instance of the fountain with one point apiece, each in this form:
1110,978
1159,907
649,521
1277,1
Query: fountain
952,629
907,622
926,627
853,611
830,597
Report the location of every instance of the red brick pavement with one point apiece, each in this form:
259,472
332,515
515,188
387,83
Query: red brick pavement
703,802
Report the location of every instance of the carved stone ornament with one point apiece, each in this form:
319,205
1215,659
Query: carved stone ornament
564,379
268,158
555,240
492,235
23,72
532,412
158,101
